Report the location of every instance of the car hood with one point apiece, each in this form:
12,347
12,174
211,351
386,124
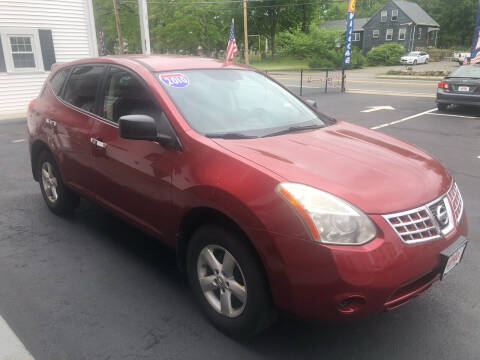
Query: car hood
375,172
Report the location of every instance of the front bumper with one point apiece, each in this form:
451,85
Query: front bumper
407,62
381,275
444,97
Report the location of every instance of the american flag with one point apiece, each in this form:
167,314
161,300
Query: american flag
476,53
475,57
231,47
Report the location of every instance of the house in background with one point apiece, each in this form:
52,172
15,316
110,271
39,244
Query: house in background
399,21
358,25
34,34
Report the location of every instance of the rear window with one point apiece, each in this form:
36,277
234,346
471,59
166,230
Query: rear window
472,71
58,79
82,87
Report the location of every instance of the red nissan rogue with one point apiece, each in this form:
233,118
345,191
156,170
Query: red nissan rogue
270,204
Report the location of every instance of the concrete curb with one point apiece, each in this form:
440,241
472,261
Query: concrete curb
410,77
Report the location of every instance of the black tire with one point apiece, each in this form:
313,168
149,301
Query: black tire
258,312
442,107
414,62
66,200
426,61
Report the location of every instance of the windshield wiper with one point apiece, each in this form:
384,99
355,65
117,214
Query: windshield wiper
295,129
230,136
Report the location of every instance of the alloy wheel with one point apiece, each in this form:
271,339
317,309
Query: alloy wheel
222,281
49,182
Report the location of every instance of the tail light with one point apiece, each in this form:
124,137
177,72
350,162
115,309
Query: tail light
444,85
30,105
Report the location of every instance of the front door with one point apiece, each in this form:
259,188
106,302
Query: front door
132,176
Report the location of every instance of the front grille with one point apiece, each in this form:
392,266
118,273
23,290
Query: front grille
430,221
414,225
457,202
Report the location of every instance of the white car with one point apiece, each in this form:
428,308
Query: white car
415,57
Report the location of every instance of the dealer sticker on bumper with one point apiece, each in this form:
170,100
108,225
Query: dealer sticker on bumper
452,256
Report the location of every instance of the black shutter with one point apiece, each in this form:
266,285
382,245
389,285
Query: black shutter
48,51
3,67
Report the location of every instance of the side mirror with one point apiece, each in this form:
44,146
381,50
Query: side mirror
137,127
312,103
144,127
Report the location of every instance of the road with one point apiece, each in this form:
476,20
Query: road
92,287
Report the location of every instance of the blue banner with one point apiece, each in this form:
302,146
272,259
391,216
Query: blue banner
347,56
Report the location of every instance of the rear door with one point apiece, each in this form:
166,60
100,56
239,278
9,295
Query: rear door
131,176
72,120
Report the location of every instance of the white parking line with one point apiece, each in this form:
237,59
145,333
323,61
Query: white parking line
18,141
402,120
453,115
11,348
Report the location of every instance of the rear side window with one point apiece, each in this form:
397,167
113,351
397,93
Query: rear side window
82,87
58,79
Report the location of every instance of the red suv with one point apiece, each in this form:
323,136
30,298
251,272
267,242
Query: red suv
270,204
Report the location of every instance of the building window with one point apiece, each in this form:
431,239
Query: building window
389,36
376,34
356,36
384,16
419,33
395,15
401,33
22,52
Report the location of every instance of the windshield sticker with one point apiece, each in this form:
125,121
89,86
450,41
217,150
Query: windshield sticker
177,80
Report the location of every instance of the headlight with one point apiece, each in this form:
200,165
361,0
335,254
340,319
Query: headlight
330,219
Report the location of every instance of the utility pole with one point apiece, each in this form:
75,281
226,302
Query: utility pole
245,30
144,31
119,30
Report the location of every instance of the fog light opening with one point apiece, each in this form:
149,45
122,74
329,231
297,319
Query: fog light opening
351,304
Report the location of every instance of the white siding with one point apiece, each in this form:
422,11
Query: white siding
71,22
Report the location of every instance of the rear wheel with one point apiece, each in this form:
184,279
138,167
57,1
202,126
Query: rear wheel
442,107
59,198
426,61
228,282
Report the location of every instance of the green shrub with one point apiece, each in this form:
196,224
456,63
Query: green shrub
334,59
323,48
386,54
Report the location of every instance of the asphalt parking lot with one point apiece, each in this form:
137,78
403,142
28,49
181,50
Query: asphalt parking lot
92,287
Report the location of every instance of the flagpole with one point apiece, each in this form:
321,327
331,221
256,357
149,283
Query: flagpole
245,30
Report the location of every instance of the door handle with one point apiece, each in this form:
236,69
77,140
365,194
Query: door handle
98,143
51,122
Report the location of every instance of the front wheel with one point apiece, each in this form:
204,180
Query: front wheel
59,199
228,281
414,62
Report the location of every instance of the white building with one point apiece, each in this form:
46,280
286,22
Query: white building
34,34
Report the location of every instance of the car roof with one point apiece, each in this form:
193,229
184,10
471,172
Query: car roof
164,62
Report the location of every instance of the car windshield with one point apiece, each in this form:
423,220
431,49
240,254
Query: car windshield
472,71
413,53
237,103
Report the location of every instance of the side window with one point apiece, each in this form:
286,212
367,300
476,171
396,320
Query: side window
125,94
56,82
82,86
